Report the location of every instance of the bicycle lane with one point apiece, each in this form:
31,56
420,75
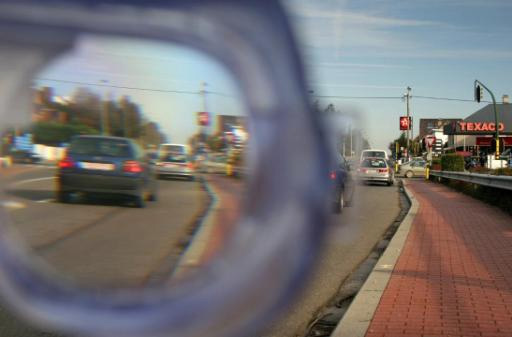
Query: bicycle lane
453,276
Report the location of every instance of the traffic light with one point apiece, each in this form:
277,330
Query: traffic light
497,147
479,93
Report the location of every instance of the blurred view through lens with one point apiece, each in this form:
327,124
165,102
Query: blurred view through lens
130,169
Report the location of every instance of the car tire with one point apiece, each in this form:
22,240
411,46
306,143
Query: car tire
340,204
153,196
140,200
63,197
409,174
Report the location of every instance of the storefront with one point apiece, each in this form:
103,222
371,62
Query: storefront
476,132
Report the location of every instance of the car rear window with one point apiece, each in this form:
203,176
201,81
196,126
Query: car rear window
373,163
174,158
100,147
173,149
376,154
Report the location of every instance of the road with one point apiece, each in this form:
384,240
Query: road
351,237
103,242
109,243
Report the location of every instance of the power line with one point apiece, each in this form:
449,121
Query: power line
447,99
133,88
357,97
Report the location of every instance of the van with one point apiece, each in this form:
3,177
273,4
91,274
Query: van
373,153
165,149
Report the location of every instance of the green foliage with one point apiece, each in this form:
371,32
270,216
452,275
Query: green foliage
53,134
507,171
436,164
452,162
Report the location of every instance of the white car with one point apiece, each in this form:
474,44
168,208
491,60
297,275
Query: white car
373,153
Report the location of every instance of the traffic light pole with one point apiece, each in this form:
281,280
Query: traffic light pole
496,122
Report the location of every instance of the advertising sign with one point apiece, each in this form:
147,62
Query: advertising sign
203,118
429,141
405,123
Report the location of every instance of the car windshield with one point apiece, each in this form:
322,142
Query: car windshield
373,163
100,147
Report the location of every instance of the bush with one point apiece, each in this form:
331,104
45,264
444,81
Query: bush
436,164
452,162
507,171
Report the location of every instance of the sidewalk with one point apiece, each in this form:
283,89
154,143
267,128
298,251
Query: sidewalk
453,275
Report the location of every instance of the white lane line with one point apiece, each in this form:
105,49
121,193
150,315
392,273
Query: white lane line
45,201
28,181
12,204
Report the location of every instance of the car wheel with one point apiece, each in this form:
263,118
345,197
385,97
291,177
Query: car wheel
140,200
63,197
338,206
153,196
408,174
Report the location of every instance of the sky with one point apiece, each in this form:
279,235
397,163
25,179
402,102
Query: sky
379,48
363,48
163,78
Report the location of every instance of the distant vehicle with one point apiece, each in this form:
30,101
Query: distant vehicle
372,153
175,165
413,168
216,163
106,165
342,184
24,157
165,149
376,170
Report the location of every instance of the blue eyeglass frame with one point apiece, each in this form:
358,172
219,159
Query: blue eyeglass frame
275,244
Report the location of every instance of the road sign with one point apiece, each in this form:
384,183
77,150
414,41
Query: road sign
203,118
405,123
429,141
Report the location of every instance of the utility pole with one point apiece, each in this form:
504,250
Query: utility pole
351,152
407,96
104,113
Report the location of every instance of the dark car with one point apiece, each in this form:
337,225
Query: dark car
25,157
106,165
342,184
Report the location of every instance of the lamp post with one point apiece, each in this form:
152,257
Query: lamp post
478,97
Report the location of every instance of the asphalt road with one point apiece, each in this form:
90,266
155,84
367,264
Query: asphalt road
102,242
109,243
351,237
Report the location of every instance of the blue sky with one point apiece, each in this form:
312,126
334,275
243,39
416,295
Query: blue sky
378,48
350,48
106,63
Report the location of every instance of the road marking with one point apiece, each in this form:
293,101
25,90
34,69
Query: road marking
45,201
28,181
12,204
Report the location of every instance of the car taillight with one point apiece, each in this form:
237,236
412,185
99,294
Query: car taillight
132,166
383,170
190,166
332,175
66,163
362,170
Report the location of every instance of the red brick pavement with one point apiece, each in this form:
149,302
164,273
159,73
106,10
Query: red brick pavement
230,193
454,276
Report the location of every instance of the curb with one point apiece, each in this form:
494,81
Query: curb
191,258
359,315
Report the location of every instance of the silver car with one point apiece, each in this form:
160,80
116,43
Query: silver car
175,165
413,168
376,170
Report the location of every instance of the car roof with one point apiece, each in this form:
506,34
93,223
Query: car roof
102,137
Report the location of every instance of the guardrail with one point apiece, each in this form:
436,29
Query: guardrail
503,182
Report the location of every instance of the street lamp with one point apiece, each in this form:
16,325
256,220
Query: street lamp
478,97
